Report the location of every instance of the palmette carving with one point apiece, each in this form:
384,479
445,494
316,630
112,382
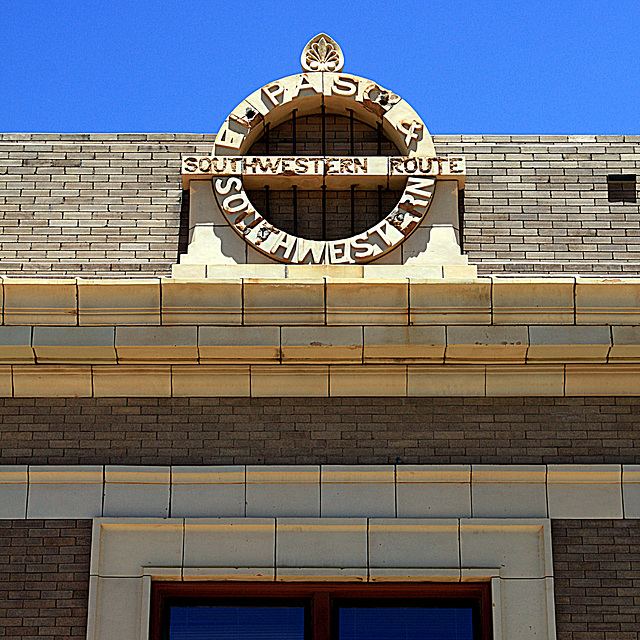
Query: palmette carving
322,53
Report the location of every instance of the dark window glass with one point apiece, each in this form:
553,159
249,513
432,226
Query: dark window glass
320,611
237,623
622,187
405,623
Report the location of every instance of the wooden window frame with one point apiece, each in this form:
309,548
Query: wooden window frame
322,599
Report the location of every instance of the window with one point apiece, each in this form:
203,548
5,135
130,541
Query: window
622,187
236,620
286,611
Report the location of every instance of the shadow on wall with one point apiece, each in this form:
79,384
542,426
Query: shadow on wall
183,233
461,219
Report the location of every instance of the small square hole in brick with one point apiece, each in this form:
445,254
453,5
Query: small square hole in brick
622,187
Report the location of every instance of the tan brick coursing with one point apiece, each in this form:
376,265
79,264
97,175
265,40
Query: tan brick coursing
596,565
319,430
539,203
110,204
99,204
44,578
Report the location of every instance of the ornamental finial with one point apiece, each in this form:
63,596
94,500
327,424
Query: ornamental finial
322,53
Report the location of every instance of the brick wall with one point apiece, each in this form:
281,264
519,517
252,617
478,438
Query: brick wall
337,138
319,430
596,565
44,578
369,208
93,205
111,204
540,204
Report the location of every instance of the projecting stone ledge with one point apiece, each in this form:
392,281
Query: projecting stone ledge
320,295
314,271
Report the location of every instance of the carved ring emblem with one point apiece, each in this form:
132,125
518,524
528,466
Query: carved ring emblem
324,84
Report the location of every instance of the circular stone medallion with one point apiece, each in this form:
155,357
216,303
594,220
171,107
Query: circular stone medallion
326,89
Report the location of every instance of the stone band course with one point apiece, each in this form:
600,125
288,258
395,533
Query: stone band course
327,491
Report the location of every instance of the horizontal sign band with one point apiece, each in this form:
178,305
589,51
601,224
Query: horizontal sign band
313,171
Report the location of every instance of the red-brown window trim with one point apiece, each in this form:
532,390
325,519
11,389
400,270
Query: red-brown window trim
320,595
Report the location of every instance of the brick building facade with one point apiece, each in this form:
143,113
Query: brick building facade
478,404
110,204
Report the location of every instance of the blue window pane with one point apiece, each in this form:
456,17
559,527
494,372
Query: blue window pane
405,623
236,623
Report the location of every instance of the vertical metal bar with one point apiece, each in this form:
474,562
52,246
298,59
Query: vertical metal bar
324,212
266,189
295,210
379,138
293,128
351,134
353,209
324,188
324,146
266,203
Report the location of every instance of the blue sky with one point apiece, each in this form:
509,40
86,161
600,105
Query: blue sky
466,67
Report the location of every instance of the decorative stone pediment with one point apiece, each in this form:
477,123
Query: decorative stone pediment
228,228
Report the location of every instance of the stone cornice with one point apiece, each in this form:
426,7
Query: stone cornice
277,295
320,336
